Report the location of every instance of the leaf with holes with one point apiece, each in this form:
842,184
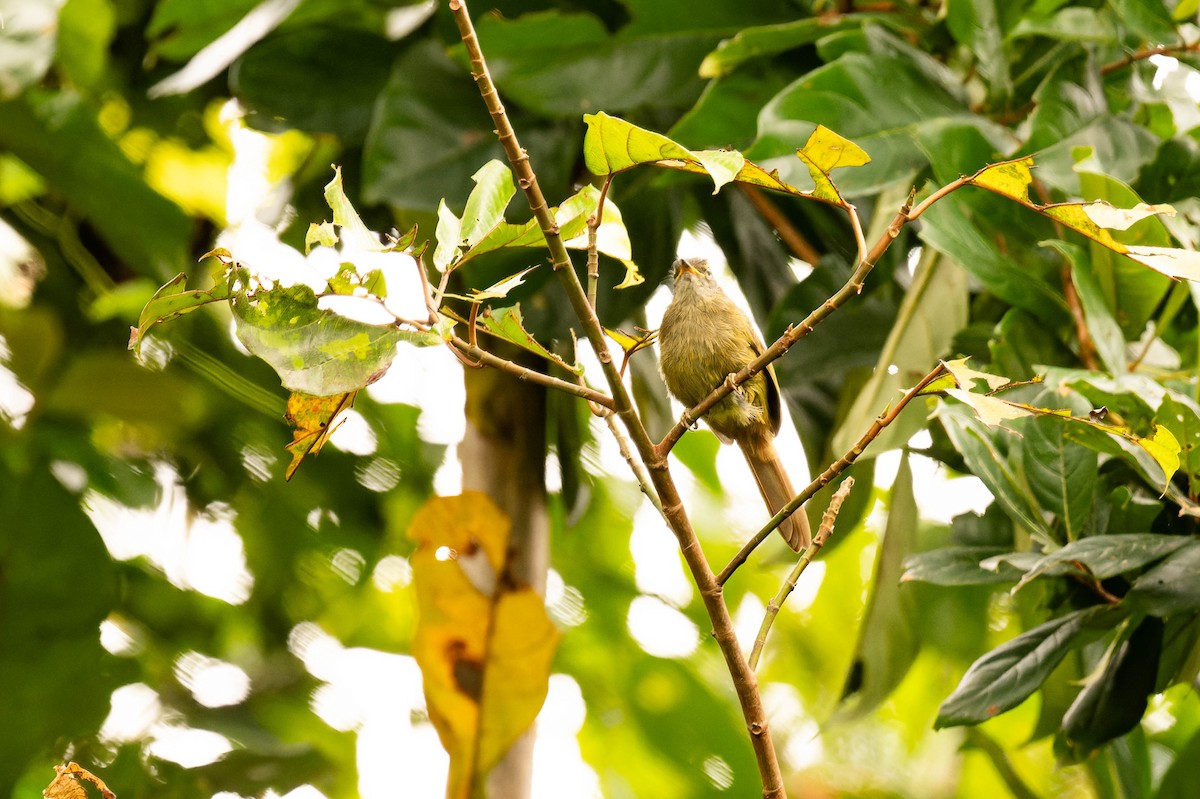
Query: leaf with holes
484,645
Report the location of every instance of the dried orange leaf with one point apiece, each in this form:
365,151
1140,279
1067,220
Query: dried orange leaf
66,783
312,420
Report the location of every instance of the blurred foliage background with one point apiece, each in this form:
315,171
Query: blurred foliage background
150,547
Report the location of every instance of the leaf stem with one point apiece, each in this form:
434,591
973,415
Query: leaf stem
823,534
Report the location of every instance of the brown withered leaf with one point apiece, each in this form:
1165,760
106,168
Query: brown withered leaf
66,783
312,420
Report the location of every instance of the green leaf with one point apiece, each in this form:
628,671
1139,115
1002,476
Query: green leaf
1105,556
1006,676
315,351
1112,702
428,134
1170,587
957,566
315,78
933,310
497,290
887,643
881,116
354,232
559,64
173,300
485,206
85,32
507,323
1183,776
1101,324
979,448
1062,474
767,40
978,26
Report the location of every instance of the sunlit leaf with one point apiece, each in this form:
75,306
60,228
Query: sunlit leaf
483,644
1012,179
497,290
313,422
323,234
965,376
485,205
508,324
824,152
613,145
1163,447
315,351
355,234
449,237
173,300
1006,676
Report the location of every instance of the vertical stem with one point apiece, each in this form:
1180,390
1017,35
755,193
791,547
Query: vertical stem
744,681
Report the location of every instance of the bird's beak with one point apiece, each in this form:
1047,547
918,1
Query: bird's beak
684,265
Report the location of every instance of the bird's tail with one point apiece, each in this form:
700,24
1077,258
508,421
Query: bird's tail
777,491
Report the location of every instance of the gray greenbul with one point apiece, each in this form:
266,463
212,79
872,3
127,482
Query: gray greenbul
703,339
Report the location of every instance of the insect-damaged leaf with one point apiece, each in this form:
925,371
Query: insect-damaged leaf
315,351
1093,219
484,645
613,145
312,421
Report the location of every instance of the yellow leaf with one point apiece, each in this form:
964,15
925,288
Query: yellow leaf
484,644
1164,448
312,419
824,152
1012,179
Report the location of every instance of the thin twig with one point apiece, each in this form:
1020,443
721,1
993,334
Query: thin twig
860,241
823,534
839,466
593,258
1087,347
484,358
744,682
1149,52
635,465
792,238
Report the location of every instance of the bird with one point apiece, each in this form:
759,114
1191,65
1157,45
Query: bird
704,337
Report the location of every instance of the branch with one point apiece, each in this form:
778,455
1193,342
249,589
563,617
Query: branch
792,238
823,534
794,333
744,682
839,466
483,357
1148,52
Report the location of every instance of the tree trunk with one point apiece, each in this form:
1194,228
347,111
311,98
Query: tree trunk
504,455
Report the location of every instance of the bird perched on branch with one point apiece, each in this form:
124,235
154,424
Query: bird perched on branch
703,339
